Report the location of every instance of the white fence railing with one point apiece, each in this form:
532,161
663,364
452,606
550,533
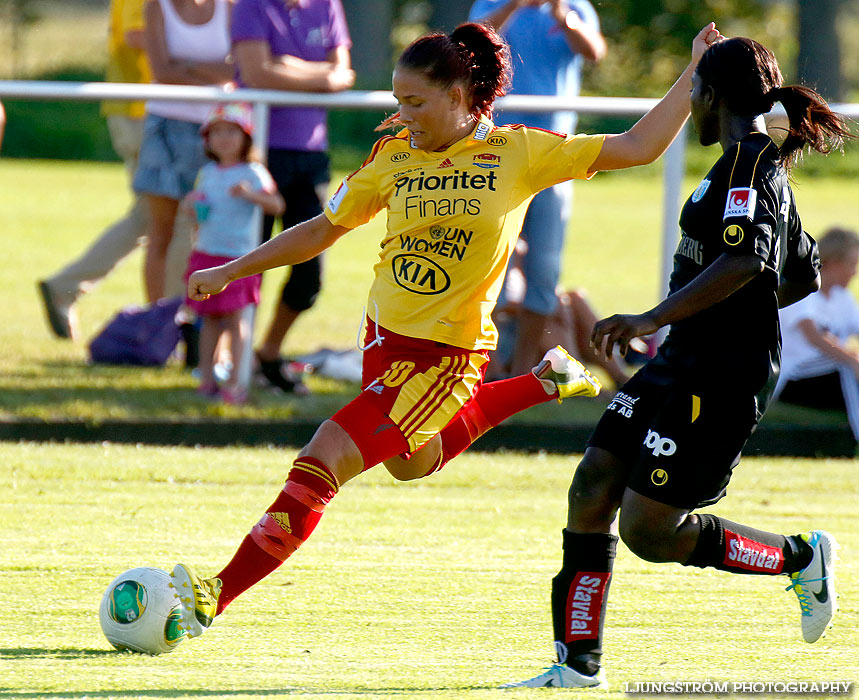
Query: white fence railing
673,161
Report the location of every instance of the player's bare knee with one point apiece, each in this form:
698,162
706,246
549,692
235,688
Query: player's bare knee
593,497
647,538
425,461
401,470
332,446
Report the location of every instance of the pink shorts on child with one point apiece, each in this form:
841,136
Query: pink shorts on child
237,295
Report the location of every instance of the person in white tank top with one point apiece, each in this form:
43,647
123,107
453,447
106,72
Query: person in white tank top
187,43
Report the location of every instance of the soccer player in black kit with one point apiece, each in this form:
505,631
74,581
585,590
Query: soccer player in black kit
669,440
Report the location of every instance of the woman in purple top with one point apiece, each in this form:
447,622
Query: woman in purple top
298,45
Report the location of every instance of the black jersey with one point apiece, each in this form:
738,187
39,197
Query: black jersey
744,206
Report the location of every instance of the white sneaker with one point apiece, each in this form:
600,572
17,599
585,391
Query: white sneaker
561,676
815,586
561,372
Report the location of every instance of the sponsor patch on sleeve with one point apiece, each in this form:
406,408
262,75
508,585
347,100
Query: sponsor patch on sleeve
337,197
741,202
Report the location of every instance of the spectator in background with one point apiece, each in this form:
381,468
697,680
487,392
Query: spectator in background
226,195
187,43
293,45
549,42
126,64
820,361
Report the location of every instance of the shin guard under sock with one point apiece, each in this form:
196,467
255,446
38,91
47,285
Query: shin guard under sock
491,404
730,546
579,596
286,524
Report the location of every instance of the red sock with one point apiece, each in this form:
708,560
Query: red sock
492,404
286,524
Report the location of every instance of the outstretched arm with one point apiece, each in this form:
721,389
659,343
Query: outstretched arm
653,133
297,244
721,279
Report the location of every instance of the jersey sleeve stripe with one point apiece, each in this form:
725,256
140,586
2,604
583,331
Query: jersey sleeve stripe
378,146
736,158
375,150
754,166
516,127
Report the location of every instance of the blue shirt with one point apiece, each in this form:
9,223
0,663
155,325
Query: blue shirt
543,61
227,222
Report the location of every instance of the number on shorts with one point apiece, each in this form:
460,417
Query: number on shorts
398,373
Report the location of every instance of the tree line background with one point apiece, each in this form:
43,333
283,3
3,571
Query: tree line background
816,41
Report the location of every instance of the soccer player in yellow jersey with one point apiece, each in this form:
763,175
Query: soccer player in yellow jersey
456,189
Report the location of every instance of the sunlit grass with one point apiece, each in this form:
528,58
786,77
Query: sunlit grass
438,588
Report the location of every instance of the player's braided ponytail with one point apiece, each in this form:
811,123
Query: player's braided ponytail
745,74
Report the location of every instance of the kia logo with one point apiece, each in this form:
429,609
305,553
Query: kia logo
419,274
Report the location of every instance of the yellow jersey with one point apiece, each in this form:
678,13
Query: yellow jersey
453,220
124,63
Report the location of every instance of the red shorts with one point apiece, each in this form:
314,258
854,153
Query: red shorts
411,389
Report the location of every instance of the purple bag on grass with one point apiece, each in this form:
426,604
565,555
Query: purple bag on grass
139,335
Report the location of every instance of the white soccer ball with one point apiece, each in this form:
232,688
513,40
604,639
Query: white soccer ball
139,612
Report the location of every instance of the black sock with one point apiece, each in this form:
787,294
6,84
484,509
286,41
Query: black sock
730,546
579,595
191,337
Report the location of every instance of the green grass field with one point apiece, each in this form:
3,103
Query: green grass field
52,210
434,589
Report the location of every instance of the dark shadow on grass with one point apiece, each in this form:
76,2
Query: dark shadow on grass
83,408
100,395
22,653
261,692
76,653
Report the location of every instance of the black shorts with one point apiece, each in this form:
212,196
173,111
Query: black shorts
679,440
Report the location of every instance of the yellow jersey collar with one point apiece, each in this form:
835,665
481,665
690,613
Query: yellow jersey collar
482,129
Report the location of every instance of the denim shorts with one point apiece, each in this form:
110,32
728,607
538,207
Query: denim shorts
171,155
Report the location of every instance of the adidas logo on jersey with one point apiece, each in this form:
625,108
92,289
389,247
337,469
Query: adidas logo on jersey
446,163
